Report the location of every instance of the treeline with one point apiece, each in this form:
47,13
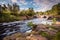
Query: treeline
54,11
12,13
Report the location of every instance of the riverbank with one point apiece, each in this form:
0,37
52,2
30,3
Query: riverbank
41,32
58,23
21,26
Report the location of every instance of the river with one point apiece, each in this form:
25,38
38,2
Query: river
21,26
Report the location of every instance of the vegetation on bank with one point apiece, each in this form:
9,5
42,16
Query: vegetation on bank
33,26
55,10
13,13
54,20
57,36
35,33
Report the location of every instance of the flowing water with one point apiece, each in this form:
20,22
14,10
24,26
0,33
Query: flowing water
21,26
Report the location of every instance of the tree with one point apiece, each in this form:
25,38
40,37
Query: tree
56,9
15,9
23,13
40,13
30,12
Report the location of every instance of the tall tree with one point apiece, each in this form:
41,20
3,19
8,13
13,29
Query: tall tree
15,9
56,8
30,12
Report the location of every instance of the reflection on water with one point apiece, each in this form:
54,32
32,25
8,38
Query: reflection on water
21,26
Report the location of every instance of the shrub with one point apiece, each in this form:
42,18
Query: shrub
57,36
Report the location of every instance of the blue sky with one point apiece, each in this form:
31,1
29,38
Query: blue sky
38,5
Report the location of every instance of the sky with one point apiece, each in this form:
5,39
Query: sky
38,5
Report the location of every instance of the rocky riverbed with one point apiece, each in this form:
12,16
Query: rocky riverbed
20,26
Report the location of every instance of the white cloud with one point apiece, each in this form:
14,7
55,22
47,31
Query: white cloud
40,5
23,8
4,2
45,4
23,2
14,1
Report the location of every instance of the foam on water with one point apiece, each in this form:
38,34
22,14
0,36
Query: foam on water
23,27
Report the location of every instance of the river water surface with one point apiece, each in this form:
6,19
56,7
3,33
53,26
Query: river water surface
21,26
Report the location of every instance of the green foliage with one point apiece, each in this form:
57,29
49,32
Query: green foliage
40,13
30,12
23,13
9,13
12,13
54,20
30,24
33,26
57,36
14,10
43,34
4,17
51,28
54,11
